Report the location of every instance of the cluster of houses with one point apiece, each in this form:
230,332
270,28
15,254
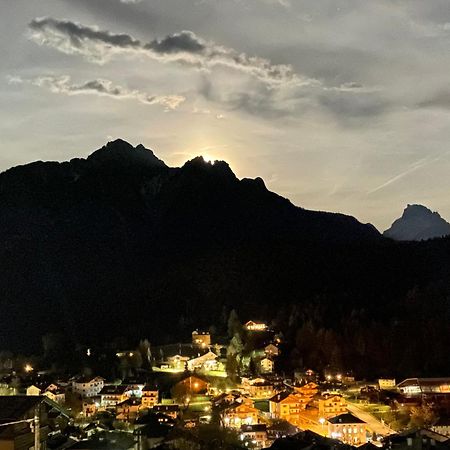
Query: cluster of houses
303,406
188,387
126,401
202,355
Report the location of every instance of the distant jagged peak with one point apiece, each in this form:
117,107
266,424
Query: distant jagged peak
418,223
416,210
120,151
217,167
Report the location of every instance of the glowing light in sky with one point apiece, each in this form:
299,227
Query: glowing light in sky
209,159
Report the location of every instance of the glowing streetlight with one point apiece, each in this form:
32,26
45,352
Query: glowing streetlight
322,422
28,368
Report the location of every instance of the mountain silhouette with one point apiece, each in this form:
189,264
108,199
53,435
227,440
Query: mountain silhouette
418,223
121,245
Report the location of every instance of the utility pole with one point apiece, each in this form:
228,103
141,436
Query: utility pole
37,431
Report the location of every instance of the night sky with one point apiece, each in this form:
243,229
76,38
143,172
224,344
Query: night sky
340,105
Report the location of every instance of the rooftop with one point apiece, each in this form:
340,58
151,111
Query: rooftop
345,418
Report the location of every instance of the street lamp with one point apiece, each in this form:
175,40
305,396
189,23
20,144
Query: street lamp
322,423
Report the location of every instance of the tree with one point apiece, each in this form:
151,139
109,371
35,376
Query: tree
232,367
253,368
234,324
144,349
422,416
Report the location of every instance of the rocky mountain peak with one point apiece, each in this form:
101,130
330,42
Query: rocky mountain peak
418,223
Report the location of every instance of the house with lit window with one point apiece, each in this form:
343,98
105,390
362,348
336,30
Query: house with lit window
255,326
89,407
258,388
88,386
55,393
208,361
424,386
128,410
266,365
201,338
332,405
177,361
271,350
112,395
442,426
52,391
171,410
238,414
150,396
386,384
287,406
192,385
34,390
347,428
226,399
256,434
309,389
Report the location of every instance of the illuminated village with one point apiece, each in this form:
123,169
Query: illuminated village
179,395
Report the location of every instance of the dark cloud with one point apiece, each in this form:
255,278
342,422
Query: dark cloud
274,90
78,34
186,41
185,47
63,85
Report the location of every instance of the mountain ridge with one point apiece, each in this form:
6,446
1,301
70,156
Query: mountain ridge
105,250
418,223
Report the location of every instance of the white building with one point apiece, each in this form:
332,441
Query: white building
271,350
255,326
208,361
429,386
256,434
33,390
55,393
87,386
266,365
386,383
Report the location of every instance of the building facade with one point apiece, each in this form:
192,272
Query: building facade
348,429
332,405
88,387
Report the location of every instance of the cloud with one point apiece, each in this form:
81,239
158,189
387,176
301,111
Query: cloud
350,104
423,162
440,100
285,3
267,89
185,47
63,85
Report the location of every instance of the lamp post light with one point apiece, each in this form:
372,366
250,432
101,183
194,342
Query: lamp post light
322,423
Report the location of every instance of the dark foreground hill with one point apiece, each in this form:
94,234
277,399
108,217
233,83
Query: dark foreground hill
120,244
